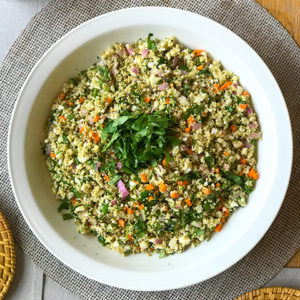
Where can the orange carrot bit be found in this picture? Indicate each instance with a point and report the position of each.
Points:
(81, 100)
(188, 202)
(124, 208)
(135, 204)
(52, 155)
(253, 174)
(226, 212)
(167, 101)
(108, 100)
(164, 162)
(220, 206)
(225, 85)
(187, 129)
(174, 195)
(61, 96)
(200, 68)
(233, 128)
(223, 220)
(141, 206)
(189, 151)
(149, 187)
(129, 211)
(74, 201)
(197, 52)
(102, 125)
(106, 177)
(62, 118)
(218, 184)
(241, 173)
(205, 191)
(147, 99)
(218, 227)
(121, 223)
(129, 237)
(217, 170)
(226, 153)
(150, 198)
(97, 118)
(244, 93)
(243, 106)
(162, 187)
(70, 103)
(81, 129)
(144, 178)
(243, 161)
(182, 183)
(96, 137)
(217, 87)
(190, 120)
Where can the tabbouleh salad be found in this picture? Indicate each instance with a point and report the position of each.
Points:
(152, 148)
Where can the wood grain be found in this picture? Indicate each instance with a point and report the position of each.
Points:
(287, 12)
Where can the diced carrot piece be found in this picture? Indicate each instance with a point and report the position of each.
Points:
(164, 162)
(144, 178)
(226, 212)
(205, 191)
(243, 106)
(217, 170)
(167, 101)
(121, 223)
(74, 201)
(147, 99)
(188, 201)
(129, 211)
(162, 187)
(225, 85)
(182, 183)
(70, 103)
(81, 100)
(218, 227)
(141, 206)
(129, 237)
(243, 161)
(197, 52)
(233, 128)
(218, 184)
(217, 87)
(174, 195)
(253, 174)
(108, 100)
(244, 93)
(226, 153)
(149, 187)
(190, 120)
(187, 129)
(106, 177)
(97, 118)
(61, 118)
(200, 68)
(52, 155)
(150, 198)
(241, 173)
(61, 96)
(81, 129)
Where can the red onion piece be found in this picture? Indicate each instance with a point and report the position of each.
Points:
(175, 61)
(144, 53)
(90, 120)
(254, 135)
(235, 85)
(135, 70)
(119, 165)
(252, 125)
(202, 168)
(122, 189)
(48, 149)
(249, 110)
(158, 241)
(214, 131)
(83, 112)
(163, 86)
(248, 145)
(226, 167)
(160, 73)
(196, 126)
(113, 202)
(97, 166)
(184, 148)
(130, 51)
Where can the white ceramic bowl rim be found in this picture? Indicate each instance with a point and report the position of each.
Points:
(229, 255)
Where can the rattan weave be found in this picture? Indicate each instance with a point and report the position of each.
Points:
(7, 256)
(272, 293)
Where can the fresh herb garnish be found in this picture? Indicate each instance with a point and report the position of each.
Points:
(195, 109)
(63, 205)
(104, 72)
(67, 216)
(138, 139)
(151, 44)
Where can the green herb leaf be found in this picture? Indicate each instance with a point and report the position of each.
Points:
(151, 44)
(63, 205)
(67, 216)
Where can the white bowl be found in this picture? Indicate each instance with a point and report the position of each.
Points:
(30, 179)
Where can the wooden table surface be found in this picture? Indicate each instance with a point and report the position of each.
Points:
(287, 12)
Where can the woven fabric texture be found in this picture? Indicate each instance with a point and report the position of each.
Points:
(276, 47)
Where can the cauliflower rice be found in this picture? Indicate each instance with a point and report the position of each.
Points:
(152, 148)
